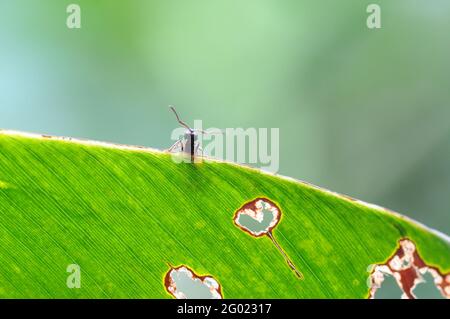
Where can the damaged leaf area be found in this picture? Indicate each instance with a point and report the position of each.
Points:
(183, 283)
(258, 218)
(409, 271)
(137, 207)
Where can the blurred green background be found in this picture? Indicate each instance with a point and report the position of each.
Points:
(361, 112)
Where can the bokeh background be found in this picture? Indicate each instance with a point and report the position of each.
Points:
(361, 112)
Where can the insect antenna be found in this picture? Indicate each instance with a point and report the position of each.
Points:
(178, 118)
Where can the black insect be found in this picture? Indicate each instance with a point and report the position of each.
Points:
(189, 143)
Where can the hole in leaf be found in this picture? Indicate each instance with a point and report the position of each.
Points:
(183, 283)
(412, 275)
(258, 218)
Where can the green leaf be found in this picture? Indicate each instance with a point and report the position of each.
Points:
(125, 214)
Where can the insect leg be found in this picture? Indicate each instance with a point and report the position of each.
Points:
(175, 145)
(200, 149)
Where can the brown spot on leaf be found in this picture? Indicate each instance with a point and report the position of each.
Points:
(408, 268)
(253, 214)
(254, 209)
(183, 283)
